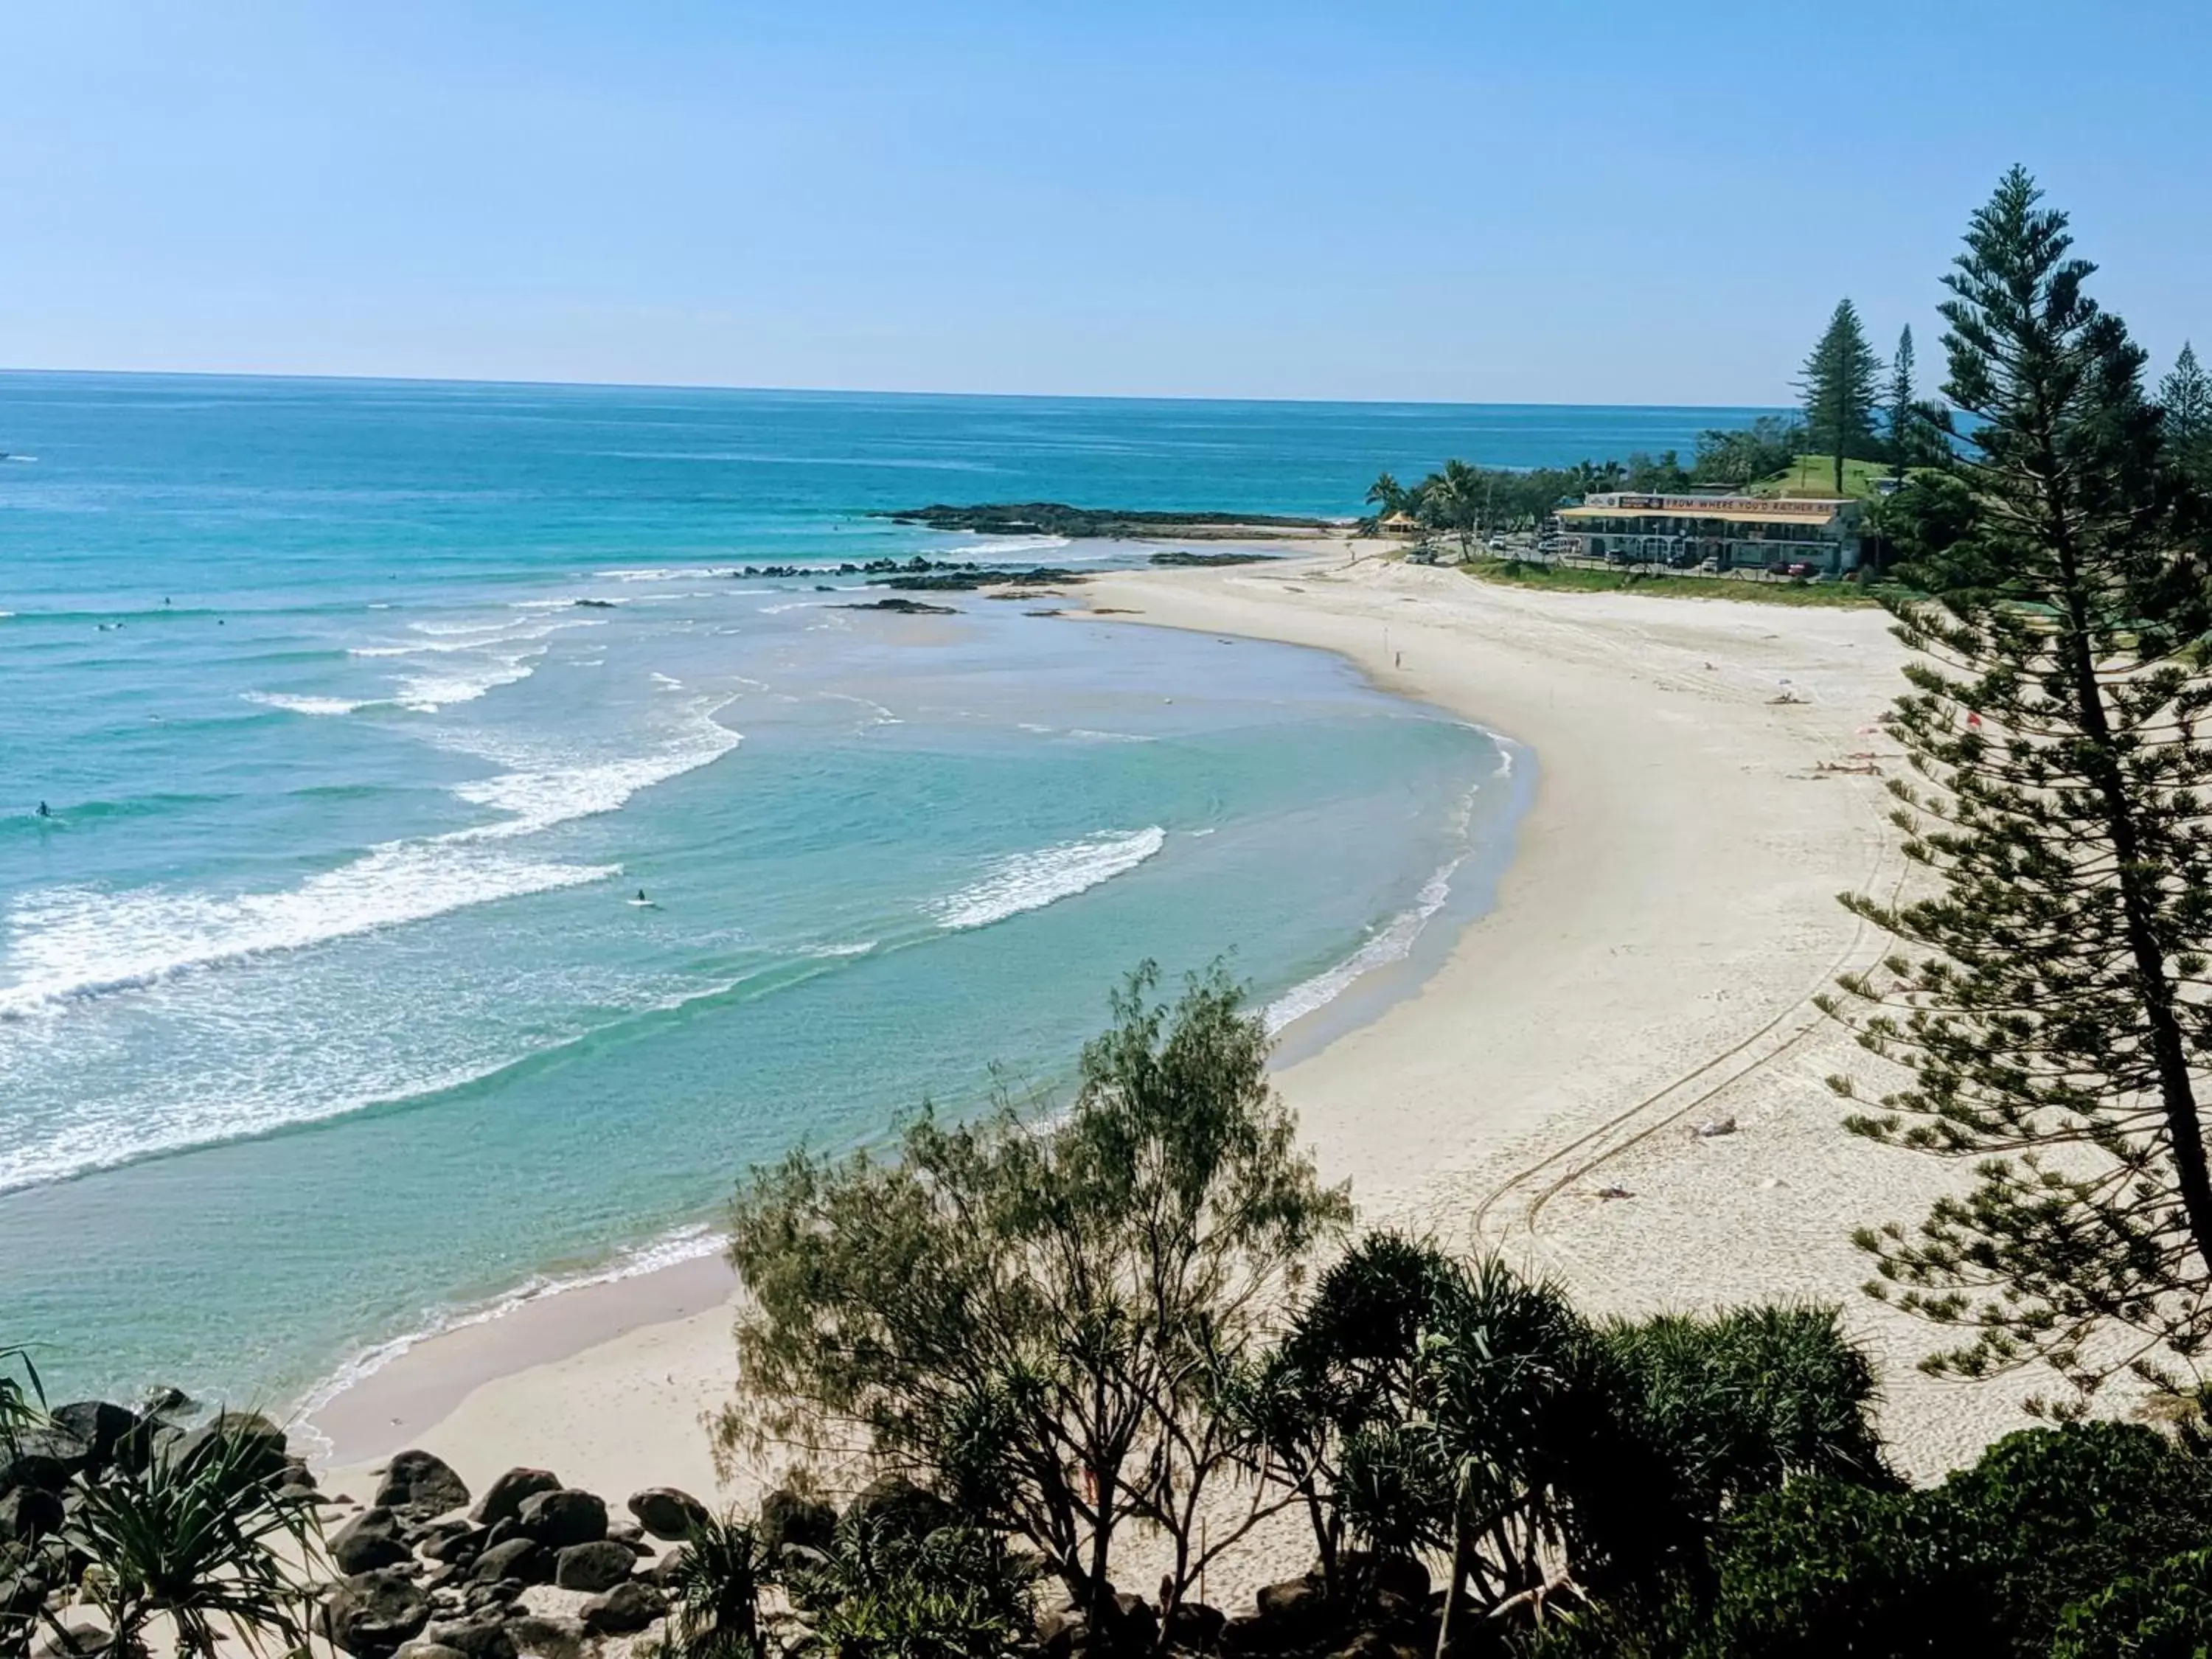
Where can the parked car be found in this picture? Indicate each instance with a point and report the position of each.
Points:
(1800, 569)
(1711, 565)
(1498, 543)
(1682, 561)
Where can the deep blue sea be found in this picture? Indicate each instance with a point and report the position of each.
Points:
(364, 711)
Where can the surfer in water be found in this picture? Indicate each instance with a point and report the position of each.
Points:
(45, 812)
(642, 902)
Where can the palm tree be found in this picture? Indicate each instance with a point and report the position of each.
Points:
(201, 1536)
(1387, 497)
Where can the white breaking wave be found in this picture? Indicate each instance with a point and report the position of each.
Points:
(1392, 942)
(69, 943)
(685, 1244)
(426, 694)
(992, 548)
(304, 705)
(537, 795)
(1030, 881)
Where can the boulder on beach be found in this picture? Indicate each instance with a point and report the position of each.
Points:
(371, 1539)
(667, 1513)
(115, 1433)
(522, 1559)
(547, 1637)
(44, 1458)
(371, 1614)
(29, 1513)
(594, 1567)
(481, 1636)
(506, 1496)
(423, 1482)
(622, 1611)
(786, 1517)
(254, 1445)
(896, 1505)
(565, 1516)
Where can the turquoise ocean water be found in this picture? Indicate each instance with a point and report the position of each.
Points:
(326, 1010)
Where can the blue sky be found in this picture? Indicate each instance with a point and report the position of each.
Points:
(1551, 200)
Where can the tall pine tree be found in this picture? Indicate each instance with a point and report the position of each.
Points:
(1837, 382)
(2185, 397)
(2050, 991)
(1904, 408)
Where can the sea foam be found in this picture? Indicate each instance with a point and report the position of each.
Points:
(1030, 881)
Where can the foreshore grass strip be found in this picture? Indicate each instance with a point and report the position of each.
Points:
(1573, 579)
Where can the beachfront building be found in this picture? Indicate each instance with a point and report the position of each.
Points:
(1737, 533)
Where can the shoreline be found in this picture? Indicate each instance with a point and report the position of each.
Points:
(380, 1394)
(1666, 911)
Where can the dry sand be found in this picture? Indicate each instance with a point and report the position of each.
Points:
(1668, 913)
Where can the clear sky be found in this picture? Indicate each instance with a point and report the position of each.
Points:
(1543, 201)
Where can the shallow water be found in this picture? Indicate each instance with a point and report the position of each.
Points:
(328, 1002)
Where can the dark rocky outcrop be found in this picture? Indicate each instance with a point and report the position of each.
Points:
(371, 1539)
(480, 1636)
(505, 1496)
(423, 1482)
(593, 1567)
(459, 1548)
(548, 1636)
(115, 1433)
(895, 1503)
(44, 1458)
(787, 1518)
(666, 1512)
(1174, 558)
(565, 1516)
(522, 1559)
(622, 1611)
(904, 608)
(1059, 518)
(257, 1443)
(372, 1613)
(29, 1513)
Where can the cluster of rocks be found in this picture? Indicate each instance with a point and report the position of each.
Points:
(426, 1577)
(46, 1472)
(1383, 1609)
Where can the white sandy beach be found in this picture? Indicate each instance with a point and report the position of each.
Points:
(1668, 913)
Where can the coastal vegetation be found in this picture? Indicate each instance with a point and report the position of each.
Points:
(1582, 578)
(2047, 994)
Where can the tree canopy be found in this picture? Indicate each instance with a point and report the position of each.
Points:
(2045, 989)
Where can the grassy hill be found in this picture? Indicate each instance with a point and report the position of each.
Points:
(1816, 475)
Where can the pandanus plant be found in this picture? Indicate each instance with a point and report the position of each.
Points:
(203, 1537)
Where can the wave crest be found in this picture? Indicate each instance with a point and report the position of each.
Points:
(1030, 881)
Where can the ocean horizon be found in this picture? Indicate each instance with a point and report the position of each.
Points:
(455, 871)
